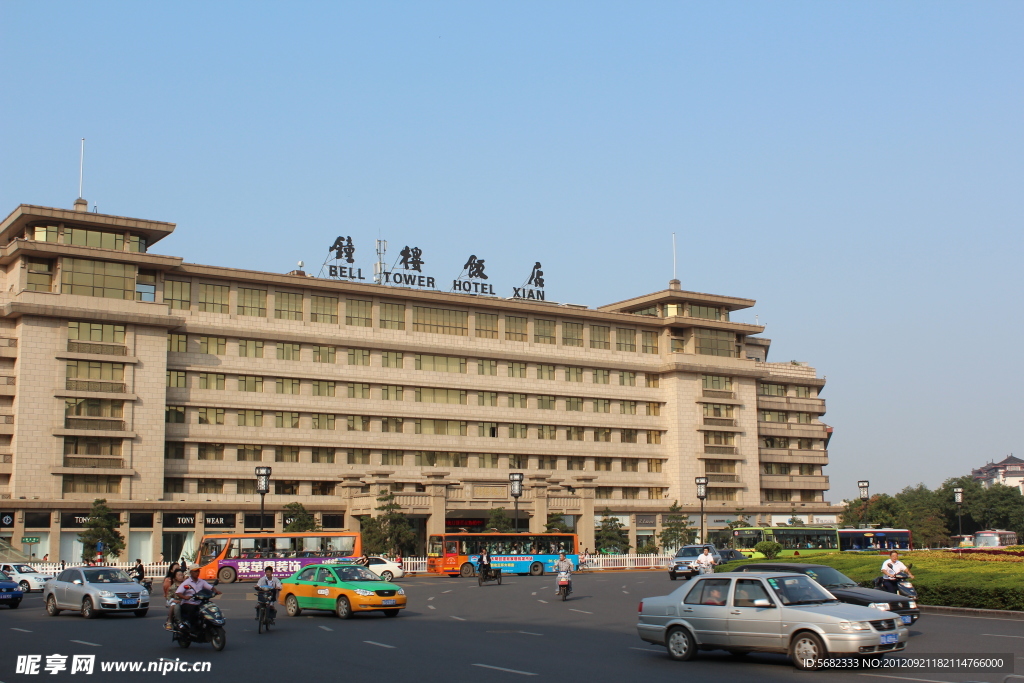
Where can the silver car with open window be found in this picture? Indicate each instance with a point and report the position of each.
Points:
(94, 591)
(769, 612)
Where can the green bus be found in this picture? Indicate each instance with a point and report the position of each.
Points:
(795, 540)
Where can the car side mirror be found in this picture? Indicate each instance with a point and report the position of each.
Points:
(762, 602)
(77, 582)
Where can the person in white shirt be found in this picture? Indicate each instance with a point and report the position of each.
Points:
(706, 562)
(186, 595)
(892, 567)
(269, 582)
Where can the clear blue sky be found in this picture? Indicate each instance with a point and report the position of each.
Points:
(855, 167)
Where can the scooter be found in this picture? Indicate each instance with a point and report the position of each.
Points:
(564, 585)
(903, 585)
(209, 627)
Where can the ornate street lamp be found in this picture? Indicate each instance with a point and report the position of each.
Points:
(262, 488)
(863, 486)
(516, 485)
(702, 494)
(958, 498)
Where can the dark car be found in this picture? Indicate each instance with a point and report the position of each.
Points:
(10, 592)
(728, 555)
(844, 588)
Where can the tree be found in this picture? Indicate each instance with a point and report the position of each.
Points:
(770, 549)
(101, 528)
(302, 519)
(611, 536)
(499, 520)
(556, 524)
(676, 529)
(648, 548)
(389, 532)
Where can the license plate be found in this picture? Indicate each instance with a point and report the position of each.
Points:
(6, 596)
(907, 619)
(388, 602)
(129, 602)
(889, 638)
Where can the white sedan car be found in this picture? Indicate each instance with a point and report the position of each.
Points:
(27, 577)
(386, 569)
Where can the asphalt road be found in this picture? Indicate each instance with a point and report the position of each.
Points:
(454, 630)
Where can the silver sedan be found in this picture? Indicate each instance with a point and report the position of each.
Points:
(767, 612)
(93, 591)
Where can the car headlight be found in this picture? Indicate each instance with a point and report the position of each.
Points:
(360, 591)
(107, 594)
(401, 591)
(144, 593)
(884, 606)
(855, 625)
(913, 605)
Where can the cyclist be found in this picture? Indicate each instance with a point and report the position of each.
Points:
(269, 582)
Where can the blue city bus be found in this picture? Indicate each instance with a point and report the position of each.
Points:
(535, 554)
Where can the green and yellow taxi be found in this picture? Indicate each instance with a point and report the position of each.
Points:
(344, 589)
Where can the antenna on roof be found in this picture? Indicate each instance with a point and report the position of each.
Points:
(81, 167)
(674, 257)
(379, 268)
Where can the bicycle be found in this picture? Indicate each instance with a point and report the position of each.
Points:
(263, 598)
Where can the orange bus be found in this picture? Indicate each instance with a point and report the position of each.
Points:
(459, 554)
(229, 557)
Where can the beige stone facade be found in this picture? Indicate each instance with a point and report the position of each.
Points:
(159, 385)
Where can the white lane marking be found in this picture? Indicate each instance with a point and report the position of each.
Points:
(543, 588)
(501, 668)
(959, 616)
(902, 678)
(23, 630)
(579, 610)
(999, 635)
(544, 601)
(431, 607)
(533, 593)
(458, 618)
(370, 642)
(528, 633)
(326, 628)
(430, 598)
(83, 642)
(448, 591)
(626, 592)
(646, 649)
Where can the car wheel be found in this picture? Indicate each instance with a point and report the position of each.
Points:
(680, 644)
(536, 569)
(806, 651)
(16, 604)
(227, 575)
(387, 576)
(51, 606)
(218, 638)
(343, 609)
(499, 577)
(25, 586)
(480, 579)
(466, 570)
(141, 612)
(291, 605)
(672, 576)
(88, 610)
(391, 612)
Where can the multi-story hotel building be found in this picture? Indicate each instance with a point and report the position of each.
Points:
(159, 385)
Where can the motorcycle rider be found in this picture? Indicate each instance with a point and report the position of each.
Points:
(186, 595)
(563, 565)
(138, 572)
(706, 562)
(485, 563)
(890, 568)
(269, 582)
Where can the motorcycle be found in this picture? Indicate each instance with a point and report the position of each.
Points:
(903, 585)
(564, 585)
(209, 626)
(264, 602)
(488, 574)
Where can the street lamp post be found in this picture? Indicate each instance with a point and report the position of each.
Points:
(958, 498)
(863, 486)
(516, 481)
(702, 494)
(262, 488)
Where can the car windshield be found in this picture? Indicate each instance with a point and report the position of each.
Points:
(830, 578)
(356, 574)
(688, 552)
(24, 569)
(4, 577)
(106, 575)
(799, 590)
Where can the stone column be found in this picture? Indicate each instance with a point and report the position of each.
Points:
(539, 484)
(350, 485)
(437, 489)
(585, 527)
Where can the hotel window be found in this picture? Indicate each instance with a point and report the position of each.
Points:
(627, 379)
(392, 392)
(601, 434)
(705, 312)
(627, 407)
(657, 493)
(287, 305)
(805, 470)
(574, 404)
(250, 418)
(720, 467)
(603, 492)
(358, 423)
(323, 309)
(323, 388)
(719, 439)
(391, 424)
(600, 337)
(774, 442)
(323, 488)
(572, 334)
(83, 237)
(487, 430)
(358, 456)
(487, 367)
(517, 401)
(653, 409)
(549, 432)
(803, 418)
(145, 285)
(718, 494)
(803, 392)
(286, 454)
(808, 496)
(391, 359)
(215, 346)
(287, 385)
(630, 492)
(515, 328)
(717, 410)
(214, 298)
(652, 381)
(249, 453)
(805, 444)
(286, 488)
(440, 459)
(653, 437)
(488, 460)
(574, 374)
(773, 416)
(177, 343)
(517, 370)
(440, 321)
(324, 354)
(654, 466)
(545, 371)
(358, 390)
(392, 316)
(715, 343)
(94, 407)
(322, 455)
(602, 405)
(393, 458)
(517, 431)
(716, 382)
(42, 233)
(648, 341)
(326, 421)
(245, 486)
(358, 356)
(177, 485)
(286, 420)
(211, 451)
(289, 351)
(546, 402)
(250, 348)
(518, 462)
(358, 313)
(777, 468)
(252, 302)
(176, 379)
(574, 433)
(211, 416)
(543, 331)
(40, 275)
(601, 376)
(547, 462)
(174, 414)
(85, 369)
(487, 398)
(429, 395)
(178, 295)
(775, 495)
(97, 332)
(602, 464)
(628, 436)
(625, 339)
(441, 427)
(577, 464)
(97, 278)
(440, 363)
(173, 450)
(486, 325)
(250, 383)
(92, 483)
(771, 389)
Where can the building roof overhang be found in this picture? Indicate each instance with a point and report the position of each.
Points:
(15, 223)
